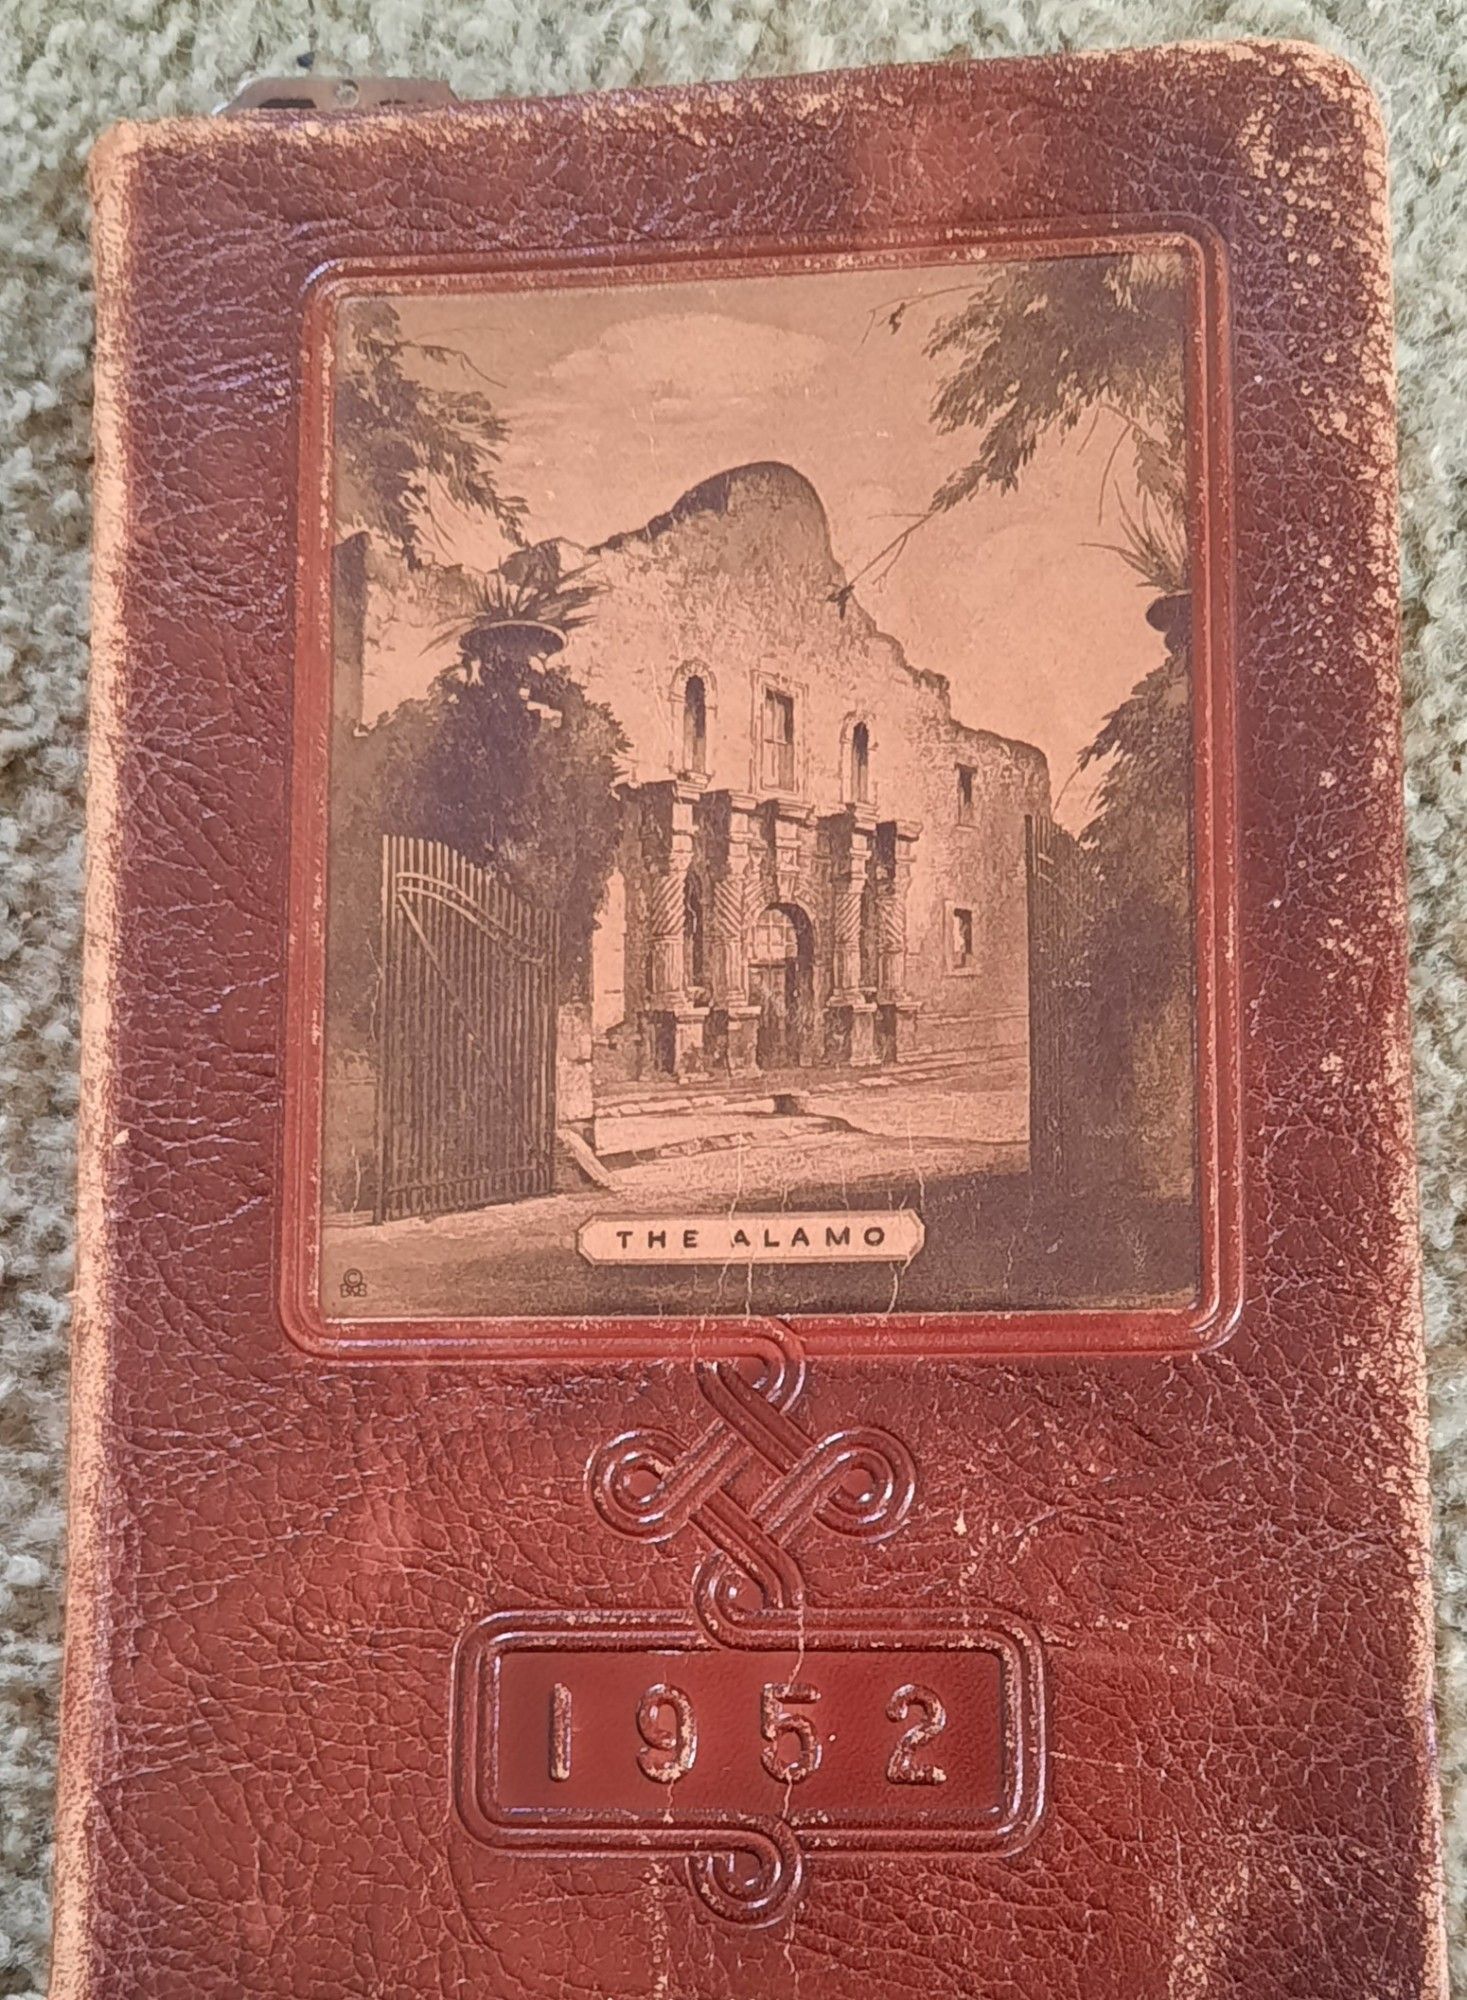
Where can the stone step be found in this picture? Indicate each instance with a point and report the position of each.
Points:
(758, 1091)
(772, 1132)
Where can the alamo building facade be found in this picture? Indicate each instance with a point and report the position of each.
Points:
(819, 865)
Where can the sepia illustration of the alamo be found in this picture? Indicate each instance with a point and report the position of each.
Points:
(820, 865)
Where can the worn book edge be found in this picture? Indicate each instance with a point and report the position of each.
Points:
(84, 1697)
(84, 1653)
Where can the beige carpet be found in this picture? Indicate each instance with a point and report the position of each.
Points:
(67, 68)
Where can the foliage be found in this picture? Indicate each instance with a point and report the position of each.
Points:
(522, 772)
(1154, 545)
(516, 768)
(1139, 837)
(1034, 349)
(1139, 841)
(398, 437)
(1040, 346)
(505, 759)
(529, 603)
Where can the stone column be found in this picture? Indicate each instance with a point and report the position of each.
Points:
(729, 922)
(899, 1010)
(665, 902)
(793, 828)
(851, 1017)
(677, 1025)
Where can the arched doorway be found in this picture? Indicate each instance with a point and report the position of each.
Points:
(781, 985)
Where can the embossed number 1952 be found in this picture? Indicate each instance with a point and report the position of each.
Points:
(832, 1736)
(792, 1749)
(565, 1733)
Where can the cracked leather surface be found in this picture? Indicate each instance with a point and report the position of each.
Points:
(275, 1555)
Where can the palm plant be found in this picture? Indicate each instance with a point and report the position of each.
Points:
(521, 611)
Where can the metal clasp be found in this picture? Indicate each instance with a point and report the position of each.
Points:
(332, 94)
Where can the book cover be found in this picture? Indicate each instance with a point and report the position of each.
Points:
(749, 1306)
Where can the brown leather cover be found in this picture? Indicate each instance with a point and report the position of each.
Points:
(1197, 1565)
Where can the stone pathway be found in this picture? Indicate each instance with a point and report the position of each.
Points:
(958, 1099)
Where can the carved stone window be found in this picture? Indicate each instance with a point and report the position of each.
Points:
(860, 774)
(775, 938)
(778, 742)
(695, 724)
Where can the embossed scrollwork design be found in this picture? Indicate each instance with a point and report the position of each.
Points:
(857, 1482)
(756, 1878)
(655, 1749)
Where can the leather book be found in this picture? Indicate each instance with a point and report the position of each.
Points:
(748, 1316)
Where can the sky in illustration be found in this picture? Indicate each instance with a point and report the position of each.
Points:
(619, 399)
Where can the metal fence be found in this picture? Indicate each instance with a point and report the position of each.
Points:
(466, 1079)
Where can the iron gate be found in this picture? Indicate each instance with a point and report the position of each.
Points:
(1061, 891)
(466, 1081)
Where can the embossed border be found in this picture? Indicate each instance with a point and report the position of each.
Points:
(1006, 1333)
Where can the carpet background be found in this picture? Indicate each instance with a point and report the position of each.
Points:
(67, 69)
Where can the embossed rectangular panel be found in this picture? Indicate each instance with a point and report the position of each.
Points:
(814, 1739)
(777, 658)
(840, 935)
(748, 1738)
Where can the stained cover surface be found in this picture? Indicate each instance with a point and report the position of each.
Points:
(749, 1304)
